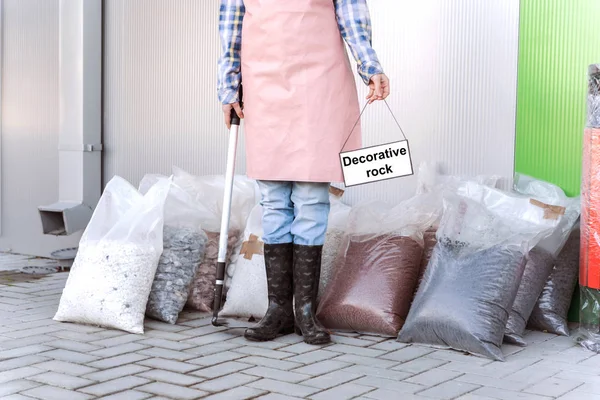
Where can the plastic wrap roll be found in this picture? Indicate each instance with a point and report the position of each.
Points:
(589, 267)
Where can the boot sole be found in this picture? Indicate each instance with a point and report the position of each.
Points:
(258, 338)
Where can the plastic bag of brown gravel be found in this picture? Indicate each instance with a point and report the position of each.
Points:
(202, 289)
(376, 270)
(475, 270)
(112, 274)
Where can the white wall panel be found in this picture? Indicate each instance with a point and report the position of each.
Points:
(29, 124)
(452, 63)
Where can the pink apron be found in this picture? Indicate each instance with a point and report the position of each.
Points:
(300, 97)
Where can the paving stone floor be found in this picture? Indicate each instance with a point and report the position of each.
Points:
(43, 359)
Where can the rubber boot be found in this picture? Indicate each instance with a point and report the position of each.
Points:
(279, 318)
(307, 271)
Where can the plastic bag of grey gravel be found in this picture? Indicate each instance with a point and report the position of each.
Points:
(475, 270)
(112, 274)
(549, 313)
(184, 246)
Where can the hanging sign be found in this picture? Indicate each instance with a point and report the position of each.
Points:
(376, 163)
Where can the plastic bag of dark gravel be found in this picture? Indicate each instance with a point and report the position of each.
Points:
(475, 270)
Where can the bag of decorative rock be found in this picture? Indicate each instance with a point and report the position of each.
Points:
(248, 296)
(208, 192)
(377, 268)
(475, 270)
(184, 244)
(338, 217)
(112, 274)
(542, 258)
(550, 312)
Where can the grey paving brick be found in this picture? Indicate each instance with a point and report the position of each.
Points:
(576, 395)
(433, 377)
(17, 386)
(169, 365)
(553, 387)
(212, 338)
(175, 336)
(127, 395)
(300, 348)
(449, 390)
(290, 389)
(277, 396)
(118, 350)
(378, 372)
(203, 330)
(320, 368)
(217, 358)
(15, 396)
(18, 373)
(331, 379)
(499, 383)
(342, 392)
(226, 382)
(150, 324)
(271, 344)
(238, 393)
(369, 361)
(117, 372)
(502, 394)
(531, 374)
(32, 332)
(389, 345)
(471, 396)
(289, 339)
(270, 362)
(167, 354)
(54, 393)
(117, 361)
(385, 394)
(61, 380)
(77, 336)
(165, 344)
(117, 340)
(214, 348)
(115, 386)
(172, 391)
(358, 342)
(23, 351)
(313, 357)
(73, 346)
(170, 377)
(21, 362)
(406, 354)
(70, 356)
(27, 341)
(419, 365)
(271, 373)
(222, 369)
(258, 351)
(358, 351)
(389, 384)
(64, 367)
(449, 355)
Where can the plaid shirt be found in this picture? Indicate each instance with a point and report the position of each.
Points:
(354, 23)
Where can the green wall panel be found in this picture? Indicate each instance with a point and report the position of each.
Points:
(558, 40)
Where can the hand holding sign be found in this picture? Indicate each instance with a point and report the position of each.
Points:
(376, 163)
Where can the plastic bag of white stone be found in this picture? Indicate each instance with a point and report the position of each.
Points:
(112, 274)
(248, 295)
(475, 270)
(184, 245)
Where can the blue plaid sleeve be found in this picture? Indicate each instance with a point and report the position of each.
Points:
(229, 76)
(354, 22)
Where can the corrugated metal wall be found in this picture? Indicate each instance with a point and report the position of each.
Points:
(559, 40)
(453, 67)
(29, 128)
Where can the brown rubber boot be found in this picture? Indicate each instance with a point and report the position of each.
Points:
(279, 318)
(307, 271)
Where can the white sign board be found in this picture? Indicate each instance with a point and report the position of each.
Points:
(376, 163)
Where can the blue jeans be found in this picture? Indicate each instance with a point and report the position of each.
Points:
(294, 212)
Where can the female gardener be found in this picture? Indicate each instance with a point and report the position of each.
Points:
(300, 105)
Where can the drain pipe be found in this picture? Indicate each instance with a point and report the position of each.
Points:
(80, 147)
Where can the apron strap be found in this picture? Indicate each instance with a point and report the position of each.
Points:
(360, 116)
